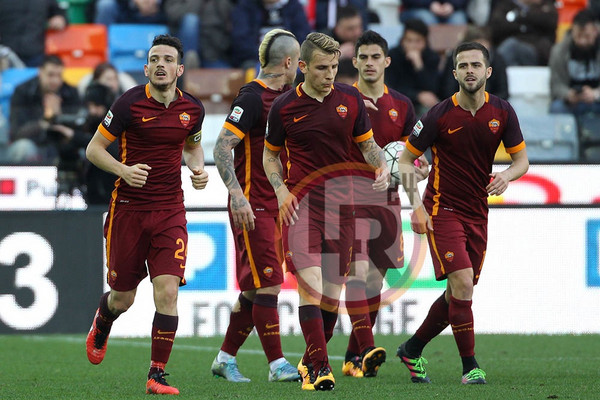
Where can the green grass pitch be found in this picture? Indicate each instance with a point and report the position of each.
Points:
(518, 367)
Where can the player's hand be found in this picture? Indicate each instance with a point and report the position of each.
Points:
(288, 204)
(420, 221)
(136, 175)
(498, 184)
(199, 178)
(241, 211)
(422, 168)
(382, 179)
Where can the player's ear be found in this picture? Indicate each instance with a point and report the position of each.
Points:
(303, 66)
(388, 61)
(180, 69)
(146, 70)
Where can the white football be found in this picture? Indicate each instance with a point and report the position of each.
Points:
(392, 151)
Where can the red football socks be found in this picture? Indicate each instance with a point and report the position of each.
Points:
(266, 321)
(240, 326)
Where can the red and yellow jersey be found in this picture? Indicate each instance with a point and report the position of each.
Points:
(317, 135)
(149, 133)
(463, 148)
(248, 121)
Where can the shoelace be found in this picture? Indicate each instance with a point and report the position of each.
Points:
(99, 339)
(233, 370)
(159, 377)
(286, 368)
(476, 374)
(419, 367)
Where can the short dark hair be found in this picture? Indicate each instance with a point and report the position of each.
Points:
(371, 37)
(417, 25)
(100, 94)
(171, 41)
(101, 68)
(584, 17)
(52, 59)
(346, 12)
(466, 46)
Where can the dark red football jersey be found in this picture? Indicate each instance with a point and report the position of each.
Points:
(248, 121)
(151, 134)
(393, 121)
(317, 135)
(463, 147)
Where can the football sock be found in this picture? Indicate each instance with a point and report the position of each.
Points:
(105, 316)
(163, 334)
(266, 321)
(358, 309)
(329, 319)
(461, 320)
(240, 326)
(353, 347)
(156, 367)
(435, 322)
(311, 323)
(469, 363)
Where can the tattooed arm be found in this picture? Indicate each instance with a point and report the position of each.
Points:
(375, 157)
(288, 204)
(241, 211)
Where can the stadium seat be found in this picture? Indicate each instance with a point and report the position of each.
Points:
(216, 87)
(81, 45)
(391, 33)
(11, 78)
(529, 89)
(72, 75)
(550, 137)
(76, 10)
(591, 153)
(129, 43)
(443, 37)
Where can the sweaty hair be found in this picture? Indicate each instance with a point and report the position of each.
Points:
(466, 46)
(171, 41)
(51, 59)
(318, 41)
(276, 45)
(371, 37)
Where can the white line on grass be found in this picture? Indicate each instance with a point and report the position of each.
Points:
(133, 343)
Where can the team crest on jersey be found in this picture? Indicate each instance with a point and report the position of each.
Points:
(268, 271)
(494, 125)
(184, 118)
(417, 128)
(393, 114)
(449, 256)
(108, 118)
(288, 255)
(236, 114)
(342, 110)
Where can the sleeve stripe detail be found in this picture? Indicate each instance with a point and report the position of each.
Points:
(515, 149)
(230, 127)
(365, 136)
(413, 149)
(272, 147)
(106, 133)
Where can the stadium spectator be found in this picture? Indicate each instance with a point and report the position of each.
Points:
(38, 107)
(575, 68)
(326, 13)
(414, 68)
(23, 25)
(348, 28)
(182, 22)
(252, 19)
(435, 12)
(496, 84)
(9, 59)
(524, 31)
(392, 116)
(327, 117)
(253, 211)
(346, 72)
(464, 132)
(146, 223)
(108, 75)
(215, 33)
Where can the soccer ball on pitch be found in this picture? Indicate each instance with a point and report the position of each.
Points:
(392, 151)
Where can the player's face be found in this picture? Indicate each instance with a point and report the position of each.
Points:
(291, 71)
(370, 62)
(163, 68)
(471, 71)
(320, 72)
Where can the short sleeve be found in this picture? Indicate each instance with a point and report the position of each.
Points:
(275, 132)
(512, 138)
(245, 112)
(362, 126)
(423, 134)
(115, 121)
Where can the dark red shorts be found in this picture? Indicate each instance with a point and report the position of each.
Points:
(378, 236)
(455, 245)
(134, 238)
(258, 254)
(311, 243)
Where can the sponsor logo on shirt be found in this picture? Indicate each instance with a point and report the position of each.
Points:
(184, 118)
(451, 131)
(299, 118)
(236, 114)
(494, 125)
(108, 118)
(342, 110)
(144, 119)
(393, 114)
(417, 128)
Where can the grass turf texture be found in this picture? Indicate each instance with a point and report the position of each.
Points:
(517, 367)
